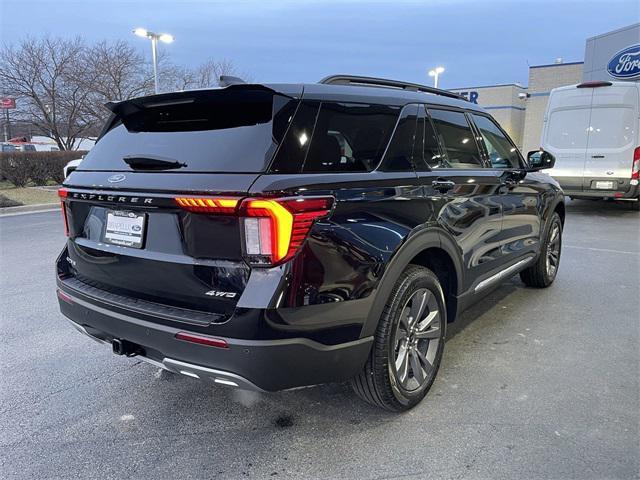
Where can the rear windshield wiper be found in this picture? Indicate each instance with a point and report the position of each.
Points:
(152, 163)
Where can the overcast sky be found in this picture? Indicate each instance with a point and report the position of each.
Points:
(479, 42)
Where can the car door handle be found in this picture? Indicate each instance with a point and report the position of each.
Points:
(443, 185)
(597, 156)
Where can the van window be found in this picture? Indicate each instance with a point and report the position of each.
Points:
(349, 137)
(457, 139)
(501, 151)
(398, 156)
(567, 129)
(611, 127)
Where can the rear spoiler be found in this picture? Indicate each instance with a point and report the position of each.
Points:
(124, 108)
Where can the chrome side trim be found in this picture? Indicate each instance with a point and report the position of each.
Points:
(506, 273)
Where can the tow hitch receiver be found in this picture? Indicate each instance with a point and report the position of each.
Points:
(124, 347)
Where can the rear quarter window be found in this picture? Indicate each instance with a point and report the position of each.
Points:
(336, 137)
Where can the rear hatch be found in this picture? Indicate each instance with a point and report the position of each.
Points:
(132, 241)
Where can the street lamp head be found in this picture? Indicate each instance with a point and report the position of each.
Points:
(439, 70)
(166, 38)
(141, 32)
(432, 73)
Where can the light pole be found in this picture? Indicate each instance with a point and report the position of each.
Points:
(154, 37)
(435, 73)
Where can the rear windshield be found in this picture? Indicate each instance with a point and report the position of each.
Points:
(208, 131)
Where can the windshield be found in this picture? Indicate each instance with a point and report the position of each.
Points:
(207, 131)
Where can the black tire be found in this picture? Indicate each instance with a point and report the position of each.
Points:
(542, 273)
(380, 383)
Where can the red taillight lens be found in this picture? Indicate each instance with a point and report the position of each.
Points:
(202, 339)
(63, 193)
(208, 205)
(274, 229)
(635, 169)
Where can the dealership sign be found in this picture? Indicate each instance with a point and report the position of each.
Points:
(471, 96)
(7, 102)
(626, 63)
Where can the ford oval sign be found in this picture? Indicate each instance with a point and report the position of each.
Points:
(118, 177)
(626, 63)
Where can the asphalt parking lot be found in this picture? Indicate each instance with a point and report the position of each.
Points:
(534, 384)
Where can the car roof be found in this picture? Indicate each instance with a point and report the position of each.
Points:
(322, 92)
(373, 94)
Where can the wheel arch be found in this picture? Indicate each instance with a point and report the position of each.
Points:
(432, 249)
(560, 209)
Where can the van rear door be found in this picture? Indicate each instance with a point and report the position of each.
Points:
(566, 134)
(613, 132)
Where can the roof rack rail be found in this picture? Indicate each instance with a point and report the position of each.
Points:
(383, 82)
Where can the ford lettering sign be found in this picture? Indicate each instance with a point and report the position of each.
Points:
(626, 63)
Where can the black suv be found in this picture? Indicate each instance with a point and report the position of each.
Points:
(275, 236)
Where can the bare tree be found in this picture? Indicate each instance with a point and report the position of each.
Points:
(205, 75)
(42, 75)
(62, 85)
(115, 71)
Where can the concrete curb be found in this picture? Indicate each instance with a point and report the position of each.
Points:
(24, 209)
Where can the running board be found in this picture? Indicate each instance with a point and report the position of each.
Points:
(503, 274)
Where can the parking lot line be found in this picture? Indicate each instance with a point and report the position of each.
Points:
(608, 250)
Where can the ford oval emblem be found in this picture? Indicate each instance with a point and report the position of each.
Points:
(118, 177)
(626, 63)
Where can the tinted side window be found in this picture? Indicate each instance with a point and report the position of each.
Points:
(349, 137)
(501, 152)
(428, 155)
(294, 147)
(457, 139)
(398, 156)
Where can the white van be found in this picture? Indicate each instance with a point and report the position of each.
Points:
(592, 129)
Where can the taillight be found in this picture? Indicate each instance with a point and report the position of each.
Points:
(62, 193)
(274, 229)
(208, 205)
(635, 169)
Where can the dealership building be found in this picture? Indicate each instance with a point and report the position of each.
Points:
(612, 56)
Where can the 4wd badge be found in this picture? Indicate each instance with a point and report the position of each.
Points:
(219, 294)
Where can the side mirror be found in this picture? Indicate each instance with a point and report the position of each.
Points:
(539, 160)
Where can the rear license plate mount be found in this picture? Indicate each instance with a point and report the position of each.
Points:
(124, 228)
(604, 185)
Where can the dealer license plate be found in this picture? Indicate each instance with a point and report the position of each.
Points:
(604, 185)
(125, 228)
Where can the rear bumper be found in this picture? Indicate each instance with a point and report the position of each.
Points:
(631, 193)
(269, 365)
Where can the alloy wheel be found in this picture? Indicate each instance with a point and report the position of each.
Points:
(553, 250)
(416, 340)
